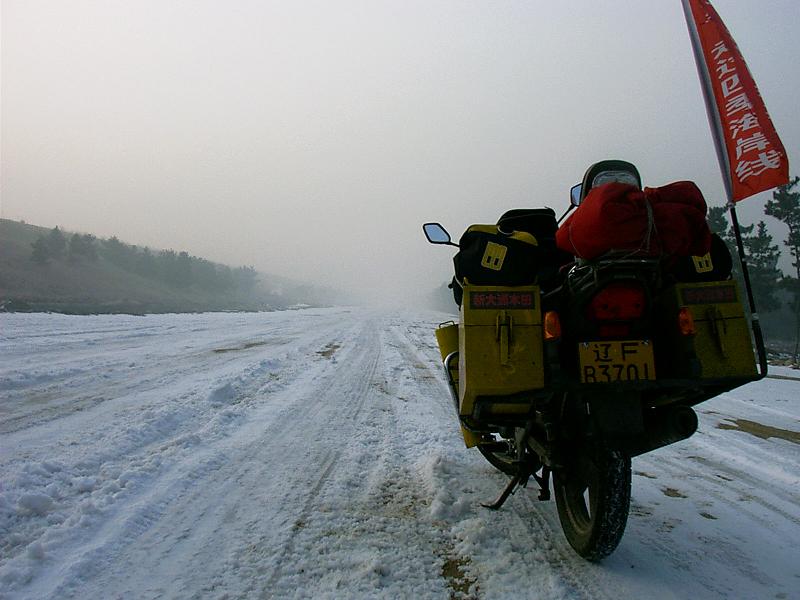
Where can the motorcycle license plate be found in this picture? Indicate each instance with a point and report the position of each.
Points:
(610, 361)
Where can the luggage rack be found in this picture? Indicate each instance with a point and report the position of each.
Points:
(589, 273)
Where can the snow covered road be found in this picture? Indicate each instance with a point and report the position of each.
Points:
(315, 453)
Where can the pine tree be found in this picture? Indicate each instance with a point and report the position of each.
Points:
(56, 243)
(41, 251)
(183, 269)
(82, 246)
(145, 264)
(717, 221)
(122, 255)
(90, 246)
(762, 265)
(74, 247)
(785, 206)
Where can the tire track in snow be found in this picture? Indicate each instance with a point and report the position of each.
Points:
(360, 392)
(382, 509)
(300, 489)
(300, 522)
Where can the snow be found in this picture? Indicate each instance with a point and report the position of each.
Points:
(315, 453)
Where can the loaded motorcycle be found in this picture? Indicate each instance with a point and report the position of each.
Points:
(566, 363)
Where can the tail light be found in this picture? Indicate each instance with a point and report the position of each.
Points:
(617, 302)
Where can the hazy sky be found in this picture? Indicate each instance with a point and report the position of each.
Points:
(312, 139)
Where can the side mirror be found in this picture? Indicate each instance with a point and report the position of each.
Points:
(575, 195)
(437, 234)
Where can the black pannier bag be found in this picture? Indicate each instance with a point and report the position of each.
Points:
(519, 250)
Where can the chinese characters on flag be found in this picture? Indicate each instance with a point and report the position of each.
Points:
(756, 158)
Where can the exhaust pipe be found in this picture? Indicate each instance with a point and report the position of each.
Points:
(664, 426)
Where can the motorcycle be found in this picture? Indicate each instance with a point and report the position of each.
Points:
(563, 369)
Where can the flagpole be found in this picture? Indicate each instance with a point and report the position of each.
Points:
(724, 165)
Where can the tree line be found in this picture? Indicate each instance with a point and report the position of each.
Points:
(176, 269)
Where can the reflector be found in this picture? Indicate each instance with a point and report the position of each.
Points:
(552, 325)
(686, 322)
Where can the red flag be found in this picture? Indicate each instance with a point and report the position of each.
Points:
(750, 152)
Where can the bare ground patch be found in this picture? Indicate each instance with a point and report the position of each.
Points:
(761, 431)
(673, 493)
(329, 350)
(459, 582)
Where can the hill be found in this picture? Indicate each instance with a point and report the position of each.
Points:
(90, 275)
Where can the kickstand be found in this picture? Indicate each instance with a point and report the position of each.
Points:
(522, 479)
(544, 483)
(518, 480)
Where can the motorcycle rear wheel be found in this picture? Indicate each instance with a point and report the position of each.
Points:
(593, 497)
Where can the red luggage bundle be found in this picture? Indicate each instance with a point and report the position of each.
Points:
(668, 220)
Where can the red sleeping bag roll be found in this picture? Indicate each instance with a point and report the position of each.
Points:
(668, 220)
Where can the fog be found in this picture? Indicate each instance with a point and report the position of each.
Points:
(312, 139)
